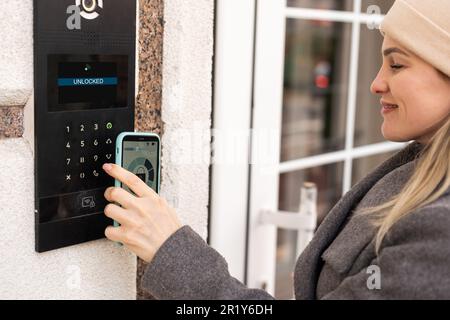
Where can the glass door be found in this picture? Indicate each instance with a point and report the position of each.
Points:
(314, 63)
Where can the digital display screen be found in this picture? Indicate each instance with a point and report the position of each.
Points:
(87, 82)
(78, 82)
(141, 158)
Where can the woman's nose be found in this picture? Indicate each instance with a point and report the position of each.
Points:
(379, 84)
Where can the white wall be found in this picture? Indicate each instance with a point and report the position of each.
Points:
(94, 270)
(101, 269)
(16, 52)
(186, 109)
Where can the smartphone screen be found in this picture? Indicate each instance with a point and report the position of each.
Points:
(140, 155)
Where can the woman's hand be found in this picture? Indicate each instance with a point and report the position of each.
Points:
(146, 220)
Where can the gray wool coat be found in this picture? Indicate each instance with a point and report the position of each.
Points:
(414, 259)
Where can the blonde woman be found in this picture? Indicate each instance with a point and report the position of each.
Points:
(387, 238)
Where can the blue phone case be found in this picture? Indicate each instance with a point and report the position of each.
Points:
(119, 141)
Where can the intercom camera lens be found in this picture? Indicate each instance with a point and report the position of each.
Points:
(89, 5)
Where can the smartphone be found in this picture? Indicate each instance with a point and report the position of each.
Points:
(139, 153)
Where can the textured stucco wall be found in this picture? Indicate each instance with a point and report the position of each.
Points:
(16, 52)
(94, 270)
(16, 61)
(100, 269)
(186, 108)
(185, 55)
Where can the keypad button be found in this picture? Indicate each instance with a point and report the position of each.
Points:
(88, 145)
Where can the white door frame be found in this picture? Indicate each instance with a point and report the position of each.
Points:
(233, 83)
(267, 117)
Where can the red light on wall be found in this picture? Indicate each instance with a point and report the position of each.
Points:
(322, 82)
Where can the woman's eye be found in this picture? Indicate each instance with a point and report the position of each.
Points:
(396, 66)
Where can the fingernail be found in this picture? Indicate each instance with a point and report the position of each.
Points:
(107, 166)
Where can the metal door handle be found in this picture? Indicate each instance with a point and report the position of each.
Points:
(304, 221)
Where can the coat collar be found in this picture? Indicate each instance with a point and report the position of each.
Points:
(307, 268)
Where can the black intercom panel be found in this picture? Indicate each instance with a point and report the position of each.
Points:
(84, 71)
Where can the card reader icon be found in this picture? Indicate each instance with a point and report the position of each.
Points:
(88, 202)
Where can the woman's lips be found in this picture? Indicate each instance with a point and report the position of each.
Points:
(388, 107)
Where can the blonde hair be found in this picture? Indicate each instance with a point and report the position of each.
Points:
(431, 178)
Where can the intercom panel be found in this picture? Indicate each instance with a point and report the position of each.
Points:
(84, 71)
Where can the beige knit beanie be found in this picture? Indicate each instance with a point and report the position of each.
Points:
(423, 27)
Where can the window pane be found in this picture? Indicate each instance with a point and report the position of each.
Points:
(368, 117)
(329, 184)
(315, 87)
(322, 4)
(364, 166)
(384, 5)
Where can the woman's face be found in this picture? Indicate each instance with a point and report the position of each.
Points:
(416, 96)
